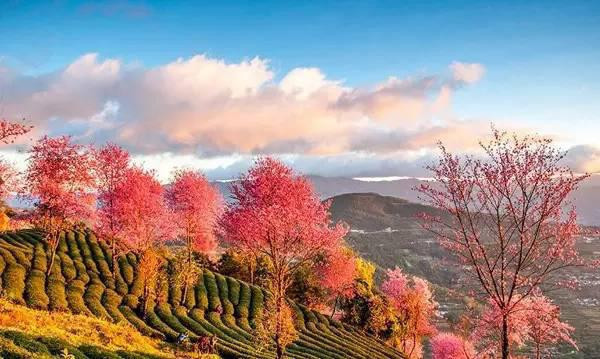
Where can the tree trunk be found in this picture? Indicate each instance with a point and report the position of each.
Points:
(279, 351)
(334, 306)
(505, 350)
(53, 247)
(113, 255)
(186, 281)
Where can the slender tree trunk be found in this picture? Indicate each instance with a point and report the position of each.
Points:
(251, 270)
(334, 306)
(113, 255)
(186, 283)
(505, 349)
(53, 247)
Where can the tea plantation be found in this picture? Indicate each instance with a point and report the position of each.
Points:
(81, 282)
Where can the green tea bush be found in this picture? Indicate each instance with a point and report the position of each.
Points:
(201, 294)
(111, 301)
(193, 325)
(256, 304)
(25, 341)
(92, 296)
(131, 301)
(234, 290)
(75, 291)
(57, 346)
(190, 298)
(154, 321)
(139, 324)
(95, 352)
(2, 266)
(224, 294)
(55, 288)
(164, 313)
(39, 258)
(13, 279)
(126, 269)
(35, 290)
(68, 269)
(212, 291)
(242, 310)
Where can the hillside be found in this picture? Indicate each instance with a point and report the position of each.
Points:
(385, 230)
(81, 282)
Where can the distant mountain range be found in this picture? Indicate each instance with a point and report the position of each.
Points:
(586, 199)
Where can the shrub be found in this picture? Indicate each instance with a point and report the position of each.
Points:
(68, 269)
(190, 298)
(75, 290)
(234, 290)
(212, 291)
(154, 321)
(243, 307)
(25, 341)
(224, 294)
(126, 269)
(201, 295)
(2, 266)
(95, 352)
(56, 346)
(256, 304)
(92, 297)
(39, 258)
(164, 313)
(14, 282)
(139, 324)
(131, 301)
(111, 302)
(57, 297)
(35, 290)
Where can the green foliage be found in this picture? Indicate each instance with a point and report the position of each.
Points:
(26, 342)
(126, 270)
(35, 290)
(93, 295)
(57, 346)
(13, 279)
(95, 352)
(75, 291)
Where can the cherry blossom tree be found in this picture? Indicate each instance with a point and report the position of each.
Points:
(111, 163)
(450, 346)
(415, 308)
(505, 218)
(534, 320)
(141, 212)
(196, 206)
(337, 274)
(9, 131)
(60, 184)
(277, 214)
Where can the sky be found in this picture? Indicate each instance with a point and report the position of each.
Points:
(335, 88)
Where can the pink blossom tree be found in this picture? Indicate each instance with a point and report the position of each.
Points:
(415, 308)
(196, 206)
(337, 275)
(9, 131)
(505, 218)
(277, 214)
(111, 164)
(60, 183)
(535, 320)
(140, 211)
(450, 346)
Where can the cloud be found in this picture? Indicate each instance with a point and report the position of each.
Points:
(584, 158)
(467, 73)
(207, 107)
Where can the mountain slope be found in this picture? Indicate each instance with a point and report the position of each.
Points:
(385, 230)
(81, 282)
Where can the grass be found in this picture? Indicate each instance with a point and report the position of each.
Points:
(95, 313)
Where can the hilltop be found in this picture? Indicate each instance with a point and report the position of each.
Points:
(82, 283)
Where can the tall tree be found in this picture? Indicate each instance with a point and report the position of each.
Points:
(506, 220)
(140, 210)
(196, 206)
(337, 274)
(414, 307)
(145, 222)
(111, 163)
(277, 214)
(60, 183)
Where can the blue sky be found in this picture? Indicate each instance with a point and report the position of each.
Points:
(541, 58)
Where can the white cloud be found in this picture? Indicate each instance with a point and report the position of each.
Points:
(467, 73)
